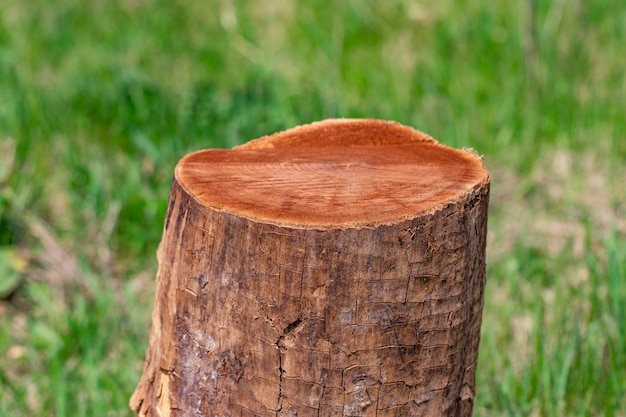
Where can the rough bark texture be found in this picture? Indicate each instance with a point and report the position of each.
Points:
(320, 314)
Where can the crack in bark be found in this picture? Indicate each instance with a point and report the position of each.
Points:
(290, 328)
(280, 344)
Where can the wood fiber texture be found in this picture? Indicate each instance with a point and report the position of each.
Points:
(255, 317)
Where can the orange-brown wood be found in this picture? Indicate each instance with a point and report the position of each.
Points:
(335, 269)
(337, 173)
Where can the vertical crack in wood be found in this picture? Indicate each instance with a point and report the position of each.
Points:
(282, 349)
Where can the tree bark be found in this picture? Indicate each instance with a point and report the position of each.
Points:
(335, 269)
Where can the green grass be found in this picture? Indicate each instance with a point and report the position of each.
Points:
(98, 100)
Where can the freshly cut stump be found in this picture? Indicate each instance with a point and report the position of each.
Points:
(334, 269)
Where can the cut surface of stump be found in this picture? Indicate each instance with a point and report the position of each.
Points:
(334, 269)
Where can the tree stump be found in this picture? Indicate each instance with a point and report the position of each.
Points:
(334, 269)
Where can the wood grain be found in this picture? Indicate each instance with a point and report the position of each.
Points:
(335, 173)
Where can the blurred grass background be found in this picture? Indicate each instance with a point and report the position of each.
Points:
(98, 101)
